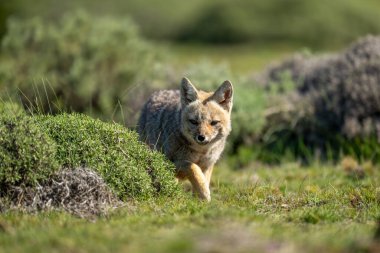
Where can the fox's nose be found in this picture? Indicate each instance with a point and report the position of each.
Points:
(201, 138)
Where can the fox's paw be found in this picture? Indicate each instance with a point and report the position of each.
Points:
(205, 195)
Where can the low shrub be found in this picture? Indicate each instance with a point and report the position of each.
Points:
(312, 23)
(27, 154)
(335, 108)
(129, 167)
(218, 23)
(79, 63)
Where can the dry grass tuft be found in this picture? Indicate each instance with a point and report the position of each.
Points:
(79, 191)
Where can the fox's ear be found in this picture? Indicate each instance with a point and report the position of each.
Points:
(188, 92)
(223, 95)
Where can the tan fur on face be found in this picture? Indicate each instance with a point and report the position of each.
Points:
(204, 112)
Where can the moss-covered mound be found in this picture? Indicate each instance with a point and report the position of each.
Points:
(118, 166)
(27, 154)
(127, 166)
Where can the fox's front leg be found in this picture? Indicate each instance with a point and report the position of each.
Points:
(198, 180)
(208, 173)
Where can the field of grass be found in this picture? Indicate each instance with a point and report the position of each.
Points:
(323, 207)
(279, 209)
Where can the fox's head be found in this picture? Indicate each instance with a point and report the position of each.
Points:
(205, 115)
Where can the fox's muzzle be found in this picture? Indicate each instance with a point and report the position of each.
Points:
(201, 139)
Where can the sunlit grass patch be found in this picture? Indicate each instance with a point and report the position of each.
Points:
(286, 207)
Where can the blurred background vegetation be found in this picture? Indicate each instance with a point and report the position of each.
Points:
(312, 23)
(104, 58)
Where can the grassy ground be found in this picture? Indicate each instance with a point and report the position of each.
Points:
(277, 209)
(280, 209)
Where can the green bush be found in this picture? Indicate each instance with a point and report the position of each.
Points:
(5, 11)
(310, 23)
(217, 23)
(27, 154)
(127, 165)
(335, 108)
(79, 63)
(315, 23)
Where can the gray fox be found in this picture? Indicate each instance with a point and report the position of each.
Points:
(190, 127)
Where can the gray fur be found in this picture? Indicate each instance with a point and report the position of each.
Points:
(190, 127)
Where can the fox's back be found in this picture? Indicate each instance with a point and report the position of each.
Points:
(160, 118)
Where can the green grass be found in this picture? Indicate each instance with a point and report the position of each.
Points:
(288, 208)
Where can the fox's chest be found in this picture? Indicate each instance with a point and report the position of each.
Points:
(207, 158)
(206, 161)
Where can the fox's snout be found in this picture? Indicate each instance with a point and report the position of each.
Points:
(203, 134)
(201, 138)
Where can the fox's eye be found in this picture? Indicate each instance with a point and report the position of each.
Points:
(193, 121)
(214, 122)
